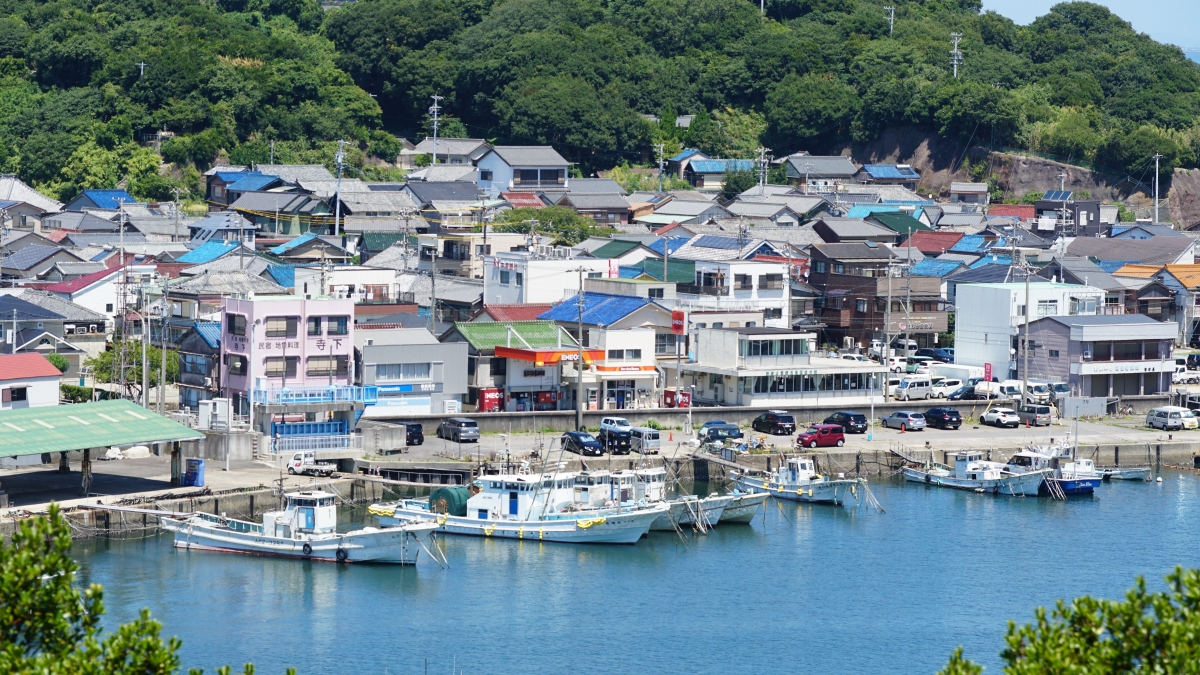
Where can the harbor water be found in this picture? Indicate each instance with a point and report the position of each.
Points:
(805, 588)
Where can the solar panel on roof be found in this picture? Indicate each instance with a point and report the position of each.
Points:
(1057, 195)
(714, 241)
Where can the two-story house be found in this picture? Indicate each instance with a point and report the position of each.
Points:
(511, 168)
(1099, 355)
(199, 364)
(541, 276)
(453, 150)
(412, 372)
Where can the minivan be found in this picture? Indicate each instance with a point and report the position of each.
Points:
(1170, 418)
(645, 440)
(459, 429)
(914, 388)
(1037, 415)
(915, 362)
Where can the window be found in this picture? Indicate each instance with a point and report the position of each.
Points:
(328, 365)
(1047, 308)
(314, 325)
(616, 354)
(237, 364)
(278, 367)
(664, 343)
(525, 176)
(820, 267)
(654, 293)
(776, 313)
(108, 308)
(838, 268)
(337, 325)
(551, 175)
(520, 279)
(485, 174)
(771, 282)
(194, 364)
(176, 309)
(594, 275)
(283, 326)
(400, 371)
(19, 394)
(860, 306)
(743, 282)
(1054, 353)
(633, 354)
(718, 324)
(701, 325)
(498, 366)
(504, 277)
(236, 324)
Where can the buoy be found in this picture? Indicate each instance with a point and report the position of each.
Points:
(1160, 479)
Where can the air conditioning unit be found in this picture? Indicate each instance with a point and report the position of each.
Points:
(544, 250)
(562, 251)
(208, 382)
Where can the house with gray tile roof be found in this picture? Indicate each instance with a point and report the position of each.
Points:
(508, 168)
(32, 261)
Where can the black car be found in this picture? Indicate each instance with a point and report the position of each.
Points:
(935, 353)
(963, 393)
(414, 434)
(616, 442)
(852, 422)
(582, 443)
(1193, 362)
(943, 418)
(775, 422)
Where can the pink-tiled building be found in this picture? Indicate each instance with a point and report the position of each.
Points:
(282, 342)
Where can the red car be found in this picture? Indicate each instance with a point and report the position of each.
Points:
(822, 436)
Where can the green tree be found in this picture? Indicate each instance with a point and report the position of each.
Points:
(567, 226)
(50, 627)
(1144, 633)
(58, 361)
(737, 182)
(107, 366)
(812, 111)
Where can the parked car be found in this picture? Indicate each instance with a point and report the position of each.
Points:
(1193, 361)
(775, 422)
(943, 418)
(914, 387)
(937, 354)
(1001, 417)
(414, 434)
(1170, 418)
(963, 393)
(582, 443)
(616, 442)
(724, 431)
(458, 429)
(905, 420)
(1037, 415)
(850, 422)
(853, 357)
(644, 440)
(915, 362)
(821, 436)
(1059, 391)
(1185, 376)
(945, 387)
(614, 424)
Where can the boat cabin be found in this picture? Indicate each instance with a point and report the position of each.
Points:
(970, 465)
(304, 513)
(654, 483)
(593, 488)
(519, 496)
(797, 469)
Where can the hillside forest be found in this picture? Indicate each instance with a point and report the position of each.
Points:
(84, 83)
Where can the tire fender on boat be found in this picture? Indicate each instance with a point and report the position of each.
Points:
(341, 555)
(307, 548)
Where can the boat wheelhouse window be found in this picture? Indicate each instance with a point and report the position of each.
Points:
(1022, 461)
(494, 485)
(510, 486)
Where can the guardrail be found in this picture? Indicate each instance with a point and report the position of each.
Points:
(302, 443)
(333, 394)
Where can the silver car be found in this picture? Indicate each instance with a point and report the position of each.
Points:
(905, 420)
(458, 429)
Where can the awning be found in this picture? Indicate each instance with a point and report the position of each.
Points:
(102, 424)
(542, 357)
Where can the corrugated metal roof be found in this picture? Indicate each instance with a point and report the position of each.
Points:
(487, 335)
(22, 366)
(207, 252)
(891, 171)
(81, 282)
(721, 165)
(528, 312)
(378, 241)
(678, 271)
(61, 428)
(687, 152)
(934, 243)
(293, 243)
(284, 275)
(900, 222)
(614, 249)
(108, 199)
(968, 188)
(210, 332)
(599, 309)
(970, 243)
(935, 268)
(992, 260)
(253, 181)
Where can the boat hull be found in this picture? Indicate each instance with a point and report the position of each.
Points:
(743, 508)
(397, 546)
(1074, 487)
(608, 528)
(1016, 485)
(1131, 473)
(709, 512)
(671, 519)
(816, 492)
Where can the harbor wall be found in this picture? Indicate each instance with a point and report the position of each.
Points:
(673, 418)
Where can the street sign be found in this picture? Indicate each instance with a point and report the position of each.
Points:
(987, 372)
(903, 326)
(678, 322)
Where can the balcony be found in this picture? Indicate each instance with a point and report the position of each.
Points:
(303, 443)
(693, 289)
(782, 361)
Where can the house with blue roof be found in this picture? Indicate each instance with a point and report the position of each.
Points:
(678, 164)
(217, 179)
(889, 174)
(254, 181)
(932, 267)
(108, 200)
(709, 174)
(632, 332)
(199, 350)
(210, 251)
(309, 248)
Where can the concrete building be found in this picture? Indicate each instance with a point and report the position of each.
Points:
(543, 276)
(991, 316)
(1127, 355)
(412, 372)
(626, 376)
(737, 286)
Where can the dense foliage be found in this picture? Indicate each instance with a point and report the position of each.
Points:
(229, 77)
(48, 626)
(1144, 633)
(106, 367)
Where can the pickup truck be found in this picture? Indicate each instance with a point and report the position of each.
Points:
(306, 464)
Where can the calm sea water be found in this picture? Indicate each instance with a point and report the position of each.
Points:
(803, 589)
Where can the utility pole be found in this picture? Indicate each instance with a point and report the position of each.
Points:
(162, 368)
(763, 166)
(433, 289)
(886, 349)
(956, 56)
(661, 166)
(434, 110)
(1157, 157)
(145, 362)
(891, 19)
(142, 66)
(272, 161)
(1025, 367)
(338, 159)
(808, 168)
(579, 363)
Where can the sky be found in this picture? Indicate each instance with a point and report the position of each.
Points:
(1170, 21)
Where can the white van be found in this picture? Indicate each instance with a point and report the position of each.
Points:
(1171, 417)
(644, 440)
(1010, 389)
(945, 387)
(914, 388)
(893, 385)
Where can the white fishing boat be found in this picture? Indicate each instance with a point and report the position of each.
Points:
(703, 512)
(1071, 475)
(972, 472)
(546, 507)
(1141, 473)
(305, 529)
(798, 480)
(743, 507)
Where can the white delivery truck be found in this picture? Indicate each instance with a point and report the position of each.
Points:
(306, 464)
(955, 371)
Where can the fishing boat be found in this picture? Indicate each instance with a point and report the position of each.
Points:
(798, 480)
(972, 472)
(1070, 475)
(556, 508)
(743, 507)
(703, 512)
(1127, 473)
(305, 529)
(689, 510)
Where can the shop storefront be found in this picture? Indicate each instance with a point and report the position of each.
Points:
(533, 382)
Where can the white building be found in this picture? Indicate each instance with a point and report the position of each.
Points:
(361, 283)
(626, 378)
(738, 286)
(544, 276)
(990, 317)
(772, 368)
